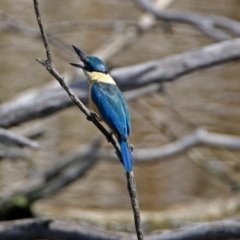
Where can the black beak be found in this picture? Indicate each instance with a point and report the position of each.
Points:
(81, 55)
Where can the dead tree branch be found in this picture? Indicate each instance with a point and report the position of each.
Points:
(10, 138)
(210, 25)
(132, 77)
(200, 137)
(173, 67)
(30, 229)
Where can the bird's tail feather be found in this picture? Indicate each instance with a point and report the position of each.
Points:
(126, 155)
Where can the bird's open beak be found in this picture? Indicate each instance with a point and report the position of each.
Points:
(82, 57)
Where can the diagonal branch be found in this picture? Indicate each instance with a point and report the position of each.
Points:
(49, 66)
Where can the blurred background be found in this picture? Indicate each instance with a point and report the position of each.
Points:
(198, 185)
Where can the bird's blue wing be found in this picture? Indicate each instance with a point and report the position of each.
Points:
(113, 107)
(126, 111)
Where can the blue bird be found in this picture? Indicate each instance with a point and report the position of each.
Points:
(108, 102)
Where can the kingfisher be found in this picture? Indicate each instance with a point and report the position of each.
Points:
(108, 102)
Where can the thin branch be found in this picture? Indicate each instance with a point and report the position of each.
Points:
(206, 24)
(134, 201)
(10, 138)
(49, 66)
(44, 36)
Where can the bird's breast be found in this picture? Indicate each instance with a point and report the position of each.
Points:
(92, 104)
(101, 77)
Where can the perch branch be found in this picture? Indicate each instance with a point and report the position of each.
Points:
(49, 66)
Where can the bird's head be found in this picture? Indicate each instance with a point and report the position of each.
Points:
(90, 63)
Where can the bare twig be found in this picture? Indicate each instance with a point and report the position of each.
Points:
(49, 66)
(132, 77)
(135, 206)
(207, 24)
(10, 138)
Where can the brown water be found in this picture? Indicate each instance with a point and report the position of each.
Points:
(208, 98)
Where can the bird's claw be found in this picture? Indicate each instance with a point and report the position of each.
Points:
(109, 137)
(93, 116)
(131, 147)
(119, 156)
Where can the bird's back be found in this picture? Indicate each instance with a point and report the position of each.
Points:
(108, 101)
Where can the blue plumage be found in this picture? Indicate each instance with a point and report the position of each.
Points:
(108, 101)
(95, 64)
(114, 110)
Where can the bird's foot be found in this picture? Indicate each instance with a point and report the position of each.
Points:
(119, 156)
(131, 147)
(93, 116)
(109, 137)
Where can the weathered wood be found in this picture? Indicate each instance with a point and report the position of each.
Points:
(160, 71)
